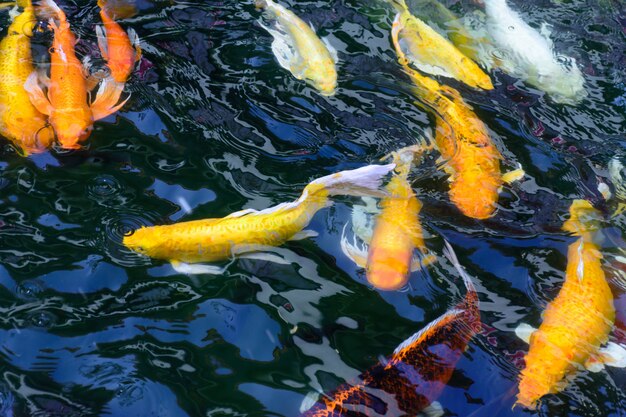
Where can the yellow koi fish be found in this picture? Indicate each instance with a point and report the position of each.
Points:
(424, 48)
(248, 231)
(298, 49)
(397, 231)
(576, 323)
(20, 121)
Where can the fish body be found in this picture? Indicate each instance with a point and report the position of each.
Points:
(299, 50)
(66, 102)
(528, 54)
(20, 121)
(120, 49)
(575, 323)
(431, 53)
(249, 230)
(417, 372)
(397, 231)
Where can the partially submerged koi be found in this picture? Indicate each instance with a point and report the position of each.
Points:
(418, 370)
(66, 100)
(248, 232)
(421, 46)
(20, 121)
(120, 49)
(397, 231)
(576, 323)
(299, 50)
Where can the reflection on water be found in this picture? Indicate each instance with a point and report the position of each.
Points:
(213, 126)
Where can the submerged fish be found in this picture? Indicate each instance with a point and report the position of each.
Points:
(431, 53)
(397, 231)
(417, 372)
(20, 121)
(119, 49)
(66, 101)
(248, 231)
(576, 323)
(298, 49)
(527, 54)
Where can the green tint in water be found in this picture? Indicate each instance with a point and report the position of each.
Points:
(214, 125)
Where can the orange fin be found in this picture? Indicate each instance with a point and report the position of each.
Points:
(36, 94)
(108, 95)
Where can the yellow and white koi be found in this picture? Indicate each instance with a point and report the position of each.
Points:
(525, 53)
(248, 232)
(576, 323)
(397, 231)
(422, 47)
(20, 121)
(299, 50)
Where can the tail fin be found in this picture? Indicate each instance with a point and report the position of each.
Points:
(399, 5)
(449, 253)
(358, 182)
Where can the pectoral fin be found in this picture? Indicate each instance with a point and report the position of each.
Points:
(513, 176)
(102, 43)
(108, 95)
(282, 47)
(613, 354)
(36, 94)
(426, 259)
(265, 256)
(304, 234)
(524, 331)
(357, 254)
(134, 40)
(331, 49)
(197, 269)
(435, 409)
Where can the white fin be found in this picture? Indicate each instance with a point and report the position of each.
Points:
(264, 256)
(546, 32)
(356, 254)
(435, 409)
(515, 175)
(604, 190)
(133, 37)
(331, 49)
(449, 253)
(197, 269)
(36, 94)
(304, 234)
(358, 182)
(613, 354)
(309, 401)
(383, 360)
(241, 213)
(408, 342)
(102, 43)
(282, 47)
(524, 331)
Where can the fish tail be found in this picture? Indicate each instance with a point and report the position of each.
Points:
(399, 5)
(469, 284)
(359, 182)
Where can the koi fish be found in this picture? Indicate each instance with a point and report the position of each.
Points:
(430, 52)
(528, 54)
(248, 231)
(119, 49)
(417, 371)
(397, 231)
(66, 101)
(298, 49)
(576, 323)
(20, 121)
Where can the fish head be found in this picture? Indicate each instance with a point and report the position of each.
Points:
(388, 269)
(564, 82)
(583, 218)
(143, 241)
(474, 199)
(71, 132)
(323, 78)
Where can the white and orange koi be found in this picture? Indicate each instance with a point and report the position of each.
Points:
(397, 231)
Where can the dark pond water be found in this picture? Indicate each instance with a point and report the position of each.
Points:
(214, 125)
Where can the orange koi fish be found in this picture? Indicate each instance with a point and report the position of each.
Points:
(119, 49)
(66, 101)
(471, 159)
(248, 232)
(576, 323)
(397, 231)
(20, 121)
(418, 370)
